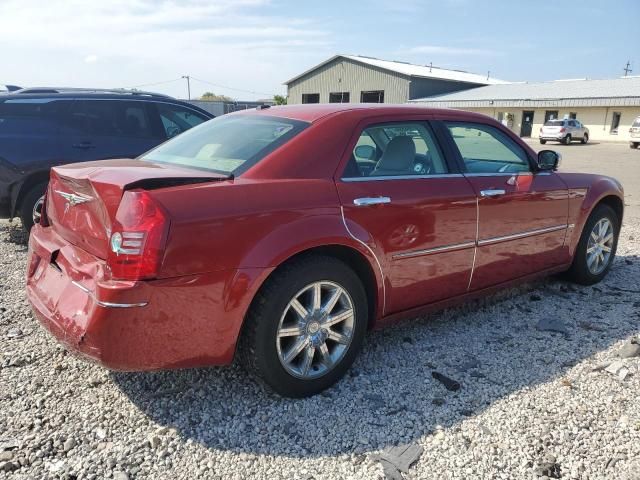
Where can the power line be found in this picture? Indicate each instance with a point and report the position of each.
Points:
(157, 83)
(231, 88)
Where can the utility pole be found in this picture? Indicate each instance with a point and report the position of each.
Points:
(627, 68)
(188, 85)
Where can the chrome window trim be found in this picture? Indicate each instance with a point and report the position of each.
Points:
(107, 304)
(429, 251)
(384, 288)
(401, 177)
(498, 174)
(515, 236)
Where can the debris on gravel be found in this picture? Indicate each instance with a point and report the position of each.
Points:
(395, 460)
(449, 383)
(526, 394)
(630, 349)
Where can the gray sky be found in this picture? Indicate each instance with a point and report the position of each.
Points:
(255, 45)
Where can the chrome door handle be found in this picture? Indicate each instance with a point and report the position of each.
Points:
(365, 202)
(492, 193)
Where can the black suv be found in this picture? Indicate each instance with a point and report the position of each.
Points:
(44, 127)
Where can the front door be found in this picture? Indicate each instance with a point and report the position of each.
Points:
(412, 209)
(527, 123)
(522, 213)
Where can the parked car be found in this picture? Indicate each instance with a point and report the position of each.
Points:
(281, 235)
(634, 133)
(44, 127)
(564, 131)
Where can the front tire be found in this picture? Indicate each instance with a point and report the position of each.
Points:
(31, 206)
(543, 142)
(305, 326)
(567, 140)
(634, 145)
(597, 247)
(585, 139)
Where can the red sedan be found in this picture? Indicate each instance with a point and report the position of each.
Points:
(281, 235)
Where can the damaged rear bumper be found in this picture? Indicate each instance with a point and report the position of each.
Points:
(178, 322)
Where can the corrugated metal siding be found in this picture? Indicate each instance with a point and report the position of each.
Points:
(569, 102)
(343, 75)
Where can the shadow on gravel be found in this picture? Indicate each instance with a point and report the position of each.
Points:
(491, 347)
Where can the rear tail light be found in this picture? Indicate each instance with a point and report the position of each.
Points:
(138, 237)
(562, 130)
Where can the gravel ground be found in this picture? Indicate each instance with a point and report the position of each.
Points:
(534, 396)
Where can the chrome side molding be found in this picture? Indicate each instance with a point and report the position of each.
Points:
(107, 304)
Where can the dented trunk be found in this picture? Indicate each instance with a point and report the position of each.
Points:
(83, 198)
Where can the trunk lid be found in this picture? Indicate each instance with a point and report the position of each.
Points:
(83, 198)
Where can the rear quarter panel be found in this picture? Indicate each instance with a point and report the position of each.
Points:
(585, 192)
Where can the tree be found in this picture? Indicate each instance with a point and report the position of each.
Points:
(212, 97)
(280, 100)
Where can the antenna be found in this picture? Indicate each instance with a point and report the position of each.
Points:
(488, 74)
(627, 68)
(430, 66)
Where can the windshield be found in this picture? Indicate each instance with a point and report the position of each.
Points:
(554, 123)
(228, 144)
(636, 122)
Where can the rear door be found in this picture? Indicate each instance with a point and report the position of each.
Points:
(522, 213)
(412, 208)
(108, 128)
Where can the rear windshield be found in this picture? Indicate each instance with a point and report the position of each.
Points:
(554, 123)
(228, 144)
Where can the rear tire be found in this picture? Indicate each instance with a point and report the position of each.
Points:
(634, 145)
(31, 206)
(543, 142)
(582, 269)
(567, 140)
(585, 139)
(284, 318)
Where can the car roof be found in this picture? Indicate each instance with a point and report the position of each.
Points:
(313, 112)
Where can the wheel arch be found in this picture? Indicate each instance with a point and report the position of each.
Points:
(19, 192)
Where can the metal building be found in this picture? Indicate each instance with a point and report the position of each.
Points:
(353, 79)
(609, 107)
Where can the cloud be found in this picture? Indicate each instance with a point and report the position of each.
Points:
(451, 51)
(240, 43)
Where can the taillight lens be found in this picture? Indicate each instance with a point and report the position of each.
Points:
(562, 130)
(138, 237)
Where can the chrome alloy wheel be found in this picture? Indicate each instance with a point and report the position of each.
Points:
(37, 210)
(315, 330)
(599, 246)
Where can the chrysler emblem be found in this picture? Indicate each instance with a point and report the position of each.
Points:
(73, 199)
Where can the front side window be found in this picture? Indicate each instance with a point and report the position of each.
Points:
(486, 149)
(177, 119)
(227, 144)
(396, 149)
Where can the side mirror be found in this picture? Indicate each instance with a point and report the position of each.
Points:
(548, 160)
(365, 151)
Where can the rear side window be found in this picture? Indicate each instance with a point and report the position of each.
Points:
(228, 144)
(112, 118)
(396, 149)
(486, 149)
(31, 116)
(177, 119)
